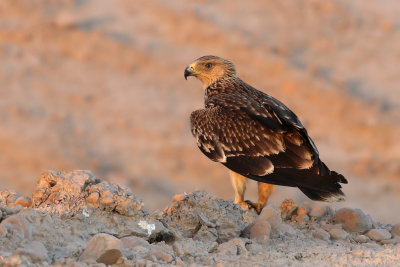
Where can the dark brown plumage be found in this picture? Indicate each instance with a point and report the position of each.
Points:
(256, 135)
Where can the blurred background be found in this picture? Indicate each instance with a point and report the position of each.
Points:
(99, 85)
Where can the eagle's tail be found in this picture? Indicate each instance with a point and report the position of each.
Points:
(318, 183)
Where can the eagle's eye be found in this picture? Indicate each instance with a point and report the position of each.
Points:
(208, 65)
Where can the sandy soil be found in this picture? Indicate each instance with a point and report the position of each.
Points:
(76, 219)
(99, 85)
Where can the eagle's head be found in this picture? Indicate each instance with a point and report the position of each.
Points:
(209, 69)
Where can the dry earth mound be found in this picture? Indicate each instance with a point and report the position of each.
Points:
(76, 219)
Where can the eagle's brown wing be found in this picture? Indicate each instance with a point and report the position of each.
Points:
(258, 141)
(246, 145)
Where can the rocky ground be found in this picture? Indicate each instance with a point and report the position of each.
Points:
(76, 219)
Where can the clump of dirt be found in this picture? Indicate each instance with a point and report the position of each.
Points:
(76, 219)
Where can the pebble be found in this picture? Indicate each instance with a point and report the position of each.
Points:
(318, 212)
(321, 234)
(301, 211)
(328, 227)
(353, 220)
(286, 229)
(287, 208)
(23, 201)
(178, 198)
(93, 198)
(396, 229)
(228, 248)
(379, 234)
(102, 248)
(271, 215)
(16, 224)
(338, 234)
(158, 253)
(35, 250)
(389, 242)
(361, 239)
(130, 242)
(303, 218)
(260, 231)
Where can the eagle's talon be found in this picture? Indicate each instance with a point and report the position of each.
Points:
(250, 205)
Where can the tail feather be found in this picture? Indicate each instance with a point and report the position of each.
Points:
(317, 183)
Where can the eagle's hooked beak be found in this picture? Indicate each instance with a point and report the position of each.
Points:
(189, 71)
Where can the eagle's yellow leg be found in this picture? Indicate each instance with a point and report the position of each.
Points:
(264, 192)
(239, 185)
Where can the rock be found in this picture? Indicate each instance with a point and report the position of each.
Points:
(206, 234)
(301, 211)
(338, 234)
(201, 208)
(286, 229)
(71, 192)
(353, 220)
(318, 212)
(102, 248)
(24, 201)
(158, 253)
(35, 250)
(328, 227)
(287, 209)
(321, 234)
(379, 234)
(130, 242)
(272, 216)
(228, 249)
(361, 239)
(396, 229)
(93, 198)
(303, 218)
(177, 198)
(260, 231)
(16, 226)
(389, 242)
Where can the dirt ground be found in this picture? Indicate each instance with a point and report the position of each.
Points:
(77, 219)
(99, 85)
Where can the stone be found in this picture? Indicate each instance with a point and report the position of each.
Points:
(396, 229)
(16, 225)
(271, 215)
(361, 239)
(321, 234)
(24, 201)
(353, 220)
(286, 229)
(338, 234)
(206, 234)
(301, 211)
(379, 234)
(93, 198)
(303, 218)
(260, 231)
(287, 208)
(228, 249)
(318, 212)
(328, 227)
(389, 242)
(102, 248)
(178, 198)
(158, 253)
(129, 242)
(35, 250)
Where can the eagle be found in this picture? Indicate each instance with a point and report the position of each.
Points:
(256, 137)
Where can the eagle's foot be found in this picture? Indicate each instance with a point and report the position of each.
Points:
(250, 205)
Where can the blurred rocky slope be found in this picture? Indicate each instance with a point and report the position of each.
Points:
(99, 85)
(76, 219)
